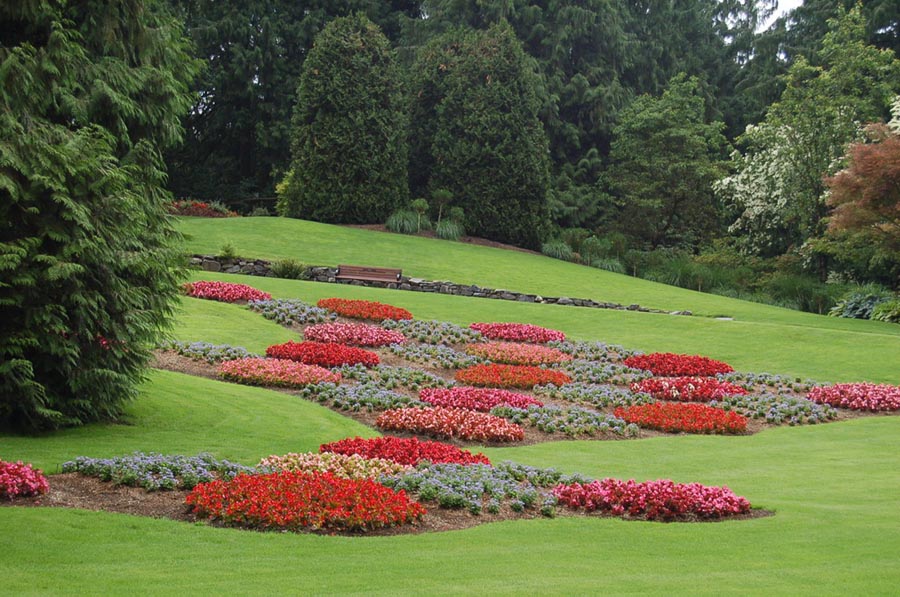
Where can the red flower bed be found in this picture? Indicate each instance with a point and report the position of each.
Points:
(409, 451)
(18, 479)
(653, 500)
(298, 500)
(858, 396)
(322, 354)
(689, 418)
(224, 291)
(518, 332)
(478, 399)
(510, 376)
(451, 422)
(517, 354)
(667, 364)
(357, 334)
(688, 389)
(190, 207)
(275, 372)
(358, 309)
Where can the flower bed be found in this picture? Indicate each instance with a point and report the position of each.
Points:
(858, 396)
(224, 291)
(593, 351)
(433, 332)
(156, 471)
(584, 371)
(289, 311)
(510, 376)
(683, 417)
(410, 451)
(451, 422)
(518, 332)
(366, 396)
(477, 399)
(345, 466)
(688, 389)
(359, 309)
(573, 421)
(322, 354)
(18, 479)
(296, 500)
(652, 500)
(667, 364)
(517, 354)
(435, 355)
(200, 209)
(204, 351)
(356, 334)
(598, 395)
(275, 372)
(776, 409)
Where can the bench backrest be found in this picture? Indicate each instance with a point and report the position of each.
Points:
(362, 272)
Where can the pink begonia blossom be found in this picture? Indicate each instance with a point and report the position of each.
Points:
(858, 396)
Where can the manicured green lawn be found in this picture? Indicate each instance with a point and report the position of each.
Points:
(835, 488)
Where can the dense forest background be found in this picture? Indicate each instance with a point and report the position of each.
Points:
(681, 141)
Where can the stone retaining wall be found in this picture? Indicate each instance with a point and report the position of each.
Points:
(261, 267)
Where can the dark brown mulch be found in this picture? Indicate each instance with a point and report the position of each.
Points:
(72, 490)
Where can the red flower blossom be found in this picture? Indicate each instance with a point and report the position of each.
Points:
(451, 422)
(477, 399)
(518, 332)
(510, 376)
(322, 354)
(409, 451)
(356, 334)
(667, 364)
(18, 479)
(275, 372)
(681, 417)
(858, 396)
(359, 309)
(512, 353)
(688, 389)
(224, 291)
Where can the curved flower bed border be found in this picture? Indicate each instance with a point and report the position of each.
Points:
(653, 500)
(225, 292)
(322, 354)
(477, 399)
(511, 353)
(356, 334)
(683, 417)
(359, 309)
(668, 364)
(858, 396)
(297, 500)
(275, 372)
(510, 376)
(402, 450)
(451, 422)
(688, 389)
(518, 332)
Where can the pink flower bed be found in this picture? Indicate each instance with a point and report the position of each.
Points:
(477, 399)
(275, 372)
(510, 376)
(18, 479)
(687, 389)
(405, 450)
(667, 364)
(518, 332)
(451, 422)
(356, 334)
(858, 396)
(224, 291)
(653, 500)
(323, 354)
(517, 354)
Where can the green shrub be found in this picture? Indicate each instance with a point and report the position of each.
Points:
(558, 250)
(260, 212)
(290, 269)
(227, 252)
(448, 229)
(403, 221)
(888, 311)
(800, 292)
(610, 264)
(860, 302)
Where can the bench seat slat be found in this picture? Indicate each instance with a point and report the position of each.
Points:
(373, 274)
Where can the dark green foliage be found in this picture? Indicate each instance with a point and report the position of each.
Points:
(888, 311)
(448, 229)
(348, 141)
(290, 269)
(403, 221)
(477, 134)
(88, 98)
(665, 158)
(558, 249)
(860, 303)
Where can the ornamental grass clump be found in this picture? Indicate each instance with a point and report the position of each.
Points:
(157, 471)
(276, 373)
(676, 417)
(662, 500)
(225, 292)
(303, 501)
(359, 309)
(355, 334)
(345, 466)
(688, 389)
(18, 480)
(858, 396)
(402, 450)
(512, 353)
(291, 311)
(451, 423)
(477, 399)
(518, 332)
(667, 364)
(323, 354)
(510, 376)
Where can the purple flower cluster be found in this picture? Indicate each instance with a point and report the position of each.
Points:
(597, 395)
(573, 421)
(584, 371)
(291, 311)
(594, 351)
(433, 332)
(437, 355)
(777, 409)
(204, 351)
(366, 396)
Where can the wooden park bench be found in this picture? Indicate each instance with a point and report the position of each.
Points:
(369, 274)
